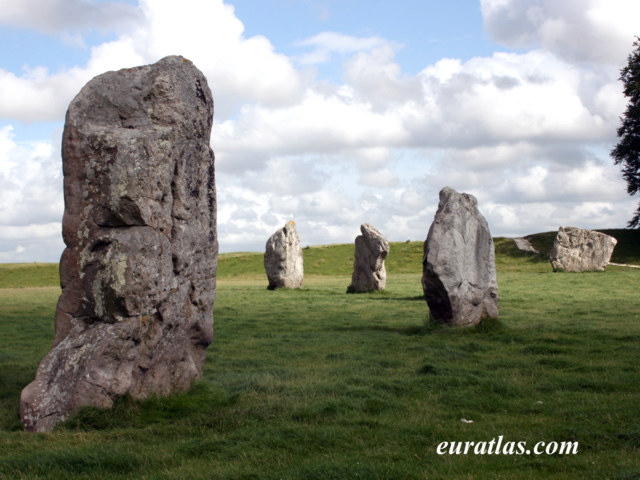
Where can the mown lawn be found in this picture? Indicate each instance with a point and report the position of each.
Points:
(318, 384)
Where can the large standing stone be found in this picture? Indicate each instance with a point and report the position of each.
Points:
(138, 275)
(283, 258)
(459, 272)
(371, 248)
(578, 250)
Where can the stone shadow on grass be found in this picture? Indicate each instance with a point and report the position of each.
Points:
(486, 326)
(378, 296)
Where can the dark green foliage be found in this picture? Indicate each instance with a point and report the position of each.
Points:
(627, 151)
(626, 250)
(543, 242)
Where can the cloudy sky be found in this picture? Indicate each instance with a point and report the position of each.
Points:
(339, 112)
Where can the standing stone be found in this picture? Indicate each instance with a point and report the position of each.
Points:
(371, 248)
(459, 271)
(138, 274)
(524, 245)
(578, 250)
(283, 258)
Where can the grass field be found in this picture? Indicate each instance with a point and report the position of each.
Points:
(318, 384)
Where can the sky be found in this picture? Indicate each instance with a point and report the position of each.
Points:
(334, 113)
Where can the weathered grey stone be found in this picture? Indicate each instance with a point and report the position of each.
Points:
(371, 248)
(459, 272)
(138, 275)
(525, 245)
(579, 250)
(283, 258)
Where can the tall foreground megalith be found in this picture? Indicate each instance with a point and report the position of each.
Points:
(139, 269)
(459, 267)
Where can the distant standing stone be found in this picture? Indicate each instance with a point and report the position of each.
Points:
(579, 250)
(283, 258)
(459, 273)
(138, 274)
(524, 245)
(371, 248)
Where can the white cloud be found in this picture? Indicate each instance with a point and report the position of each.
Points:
(324, 45)
(239, 69)
(31, 204)
(531, 186)
(510, 97)
(376, 79)
(516, 220)
(600, 31)
(35, 96)
(30, 183)
(317, 124)
(527, 133)
(60, 16)
(383, 178)
(36, 243)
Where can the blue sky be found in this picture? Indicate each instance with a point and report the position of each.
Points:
(335, 113)
(427, 30)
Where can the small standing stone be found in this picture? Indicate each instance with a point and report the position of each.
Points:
(371, 248)
(138, 274)
(459, 272)
(524, 245)
(283, 258)
(579, 250)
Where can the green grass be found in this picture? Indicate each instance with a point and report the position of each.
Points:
(29, 275)
(405, 257)
(317, 384)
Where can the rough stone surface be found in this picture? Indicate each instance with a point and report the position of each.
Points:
(138, 273)
(459, 272)
(524, 245)
(371, 248)
(579, 250)
(283, 258)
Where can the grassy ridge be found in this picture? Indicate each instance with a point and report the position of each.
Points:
(404, 257)
(29, 275)
(317, 384)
